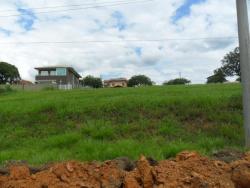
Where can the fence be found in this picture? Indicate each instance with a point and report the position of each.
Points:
(65, 87)
(38, 87)
(34, 87)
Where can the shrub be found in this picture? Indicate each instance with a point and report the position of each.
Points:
(177, 81)
(6, 89)
(139, 80)
(49, 88)
(93, 82)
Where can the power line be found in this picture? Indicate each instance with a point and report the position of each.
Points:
(63, 6)
(83, 8)
(122, 41)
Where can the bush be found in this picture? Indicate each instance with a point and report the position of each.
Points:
(93, 82)
(2, 90)
(139, 80)
(49, 88)
(8, 73)
(177, 81)
(6, 89)
(218, 77)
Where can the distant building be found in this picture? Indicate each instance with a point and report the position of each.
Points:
(119, 82)
(65, 77)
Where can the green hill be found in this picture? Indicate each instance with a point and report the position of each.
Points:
(107, 123)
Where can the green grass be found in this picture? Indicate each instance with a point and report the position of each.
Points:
(46, 126)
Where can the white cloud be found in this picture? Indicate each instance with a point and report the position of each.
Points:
(152, 20)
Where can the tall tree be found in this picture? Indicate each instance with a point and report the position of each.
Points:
(91, 81)
(8, 73)
(218, 77)
(231, 63)
(177, 81)
(139, 80)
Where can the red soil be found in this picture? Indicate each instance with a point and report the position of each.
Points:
(188, 169)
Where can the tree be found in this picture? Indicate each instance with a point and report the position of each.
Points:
(91, 81)
(177, 81)
(218, 77)
(231, 63)
(8, 73)
(139, 80)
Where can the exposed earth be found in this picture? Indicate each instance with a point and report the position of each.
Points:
(188, 169)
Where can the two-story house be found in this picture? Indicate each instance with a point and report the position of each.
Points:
(60, 75)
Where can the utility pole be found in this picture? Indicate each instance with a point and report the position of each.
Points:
(243, 26)
(180, 75)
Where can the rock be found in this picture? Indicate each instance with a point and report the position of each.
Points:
(19, 172)
(247, 156)
(69, 167)
(241, 174)
(152, 162)
(186, 155)
(130, 181)
(33, 177)
(4, 171)
(228, 155)
(145, 171)
(125, 163)
(59, 170)
(111, 175)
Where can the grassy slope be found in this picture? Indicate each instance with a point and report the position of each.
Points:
(103, 124)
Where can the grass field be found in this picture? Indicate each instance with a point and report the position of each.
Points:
(102, 124)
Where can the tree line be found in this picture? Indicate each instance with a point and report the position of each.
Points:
(230, 67)
(134, 81)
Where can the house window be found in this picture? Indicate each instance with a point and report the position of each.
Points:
(61, 72)
(44, 73)
(52, 73)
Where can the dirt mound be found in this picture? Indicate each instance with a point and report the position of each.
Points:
(188, 169)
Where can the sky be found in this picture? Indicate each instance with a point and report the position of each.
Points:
(121, 40)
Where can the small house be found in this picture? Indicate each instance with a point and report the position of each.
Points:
(119, 82)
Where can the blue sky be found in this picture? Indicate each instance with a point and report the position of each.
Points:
(138, 51)
(120, 22)
(185, 9)
(5, 31)
(27, 19)
(160, 60)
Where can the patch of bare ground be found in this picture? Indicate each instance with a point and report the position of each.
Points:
(188, 169)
